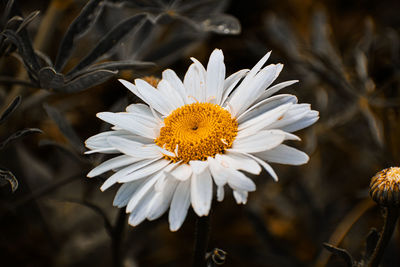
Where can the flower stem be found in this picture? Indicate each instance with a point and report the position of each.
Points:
(201, 241)
(387, 231)
(117, 238)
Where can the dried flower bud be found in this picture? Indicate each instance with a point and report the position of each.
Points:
(385, 187)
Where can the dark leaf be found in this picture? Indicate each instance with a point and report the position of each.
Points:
(19, 134)
(7, 176)
(13, 22)
(110, 40)
(24, 46)
(372, 240)
(87, 80)
(117, 65)
(45, 60)
(78, 27)
(48, 78)
(14, 104)
(65, 127)
(7, 11)
(342, 253)
(27, 20)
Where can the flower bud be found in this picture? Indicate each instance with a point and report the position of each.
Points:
(385, 187)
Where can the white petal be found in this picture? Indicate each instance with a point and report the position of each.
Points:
(142, 191)
(241, 182)
(255, 70)
(125, 171)
(273, 89)
(294, 114)
(201, 192)
(198, 166)
(125, 192)
(231, 82)
(194, 82)
(162, 200)
(145, 171)
(263, 121)
(266, 166)
(215, 76)
(263, 140)
(235, 179)
(131, 88)
(125, 121)
(159, 186)
(285, 155)
(171, 95)
(239, 161)
(134, 149)
(266, 105)
(244, 98)
(218, 172)
(141, 110)
(99, 141)
(179, 205)
(240, 196)
(113, 163)
(153, 97)
(220, 193)
(182, 172)
(140, 212)
(306, 121)
(175, 82)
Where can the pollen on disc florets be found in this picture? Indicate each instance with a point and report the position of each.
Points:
(385, 187)
(197, 131)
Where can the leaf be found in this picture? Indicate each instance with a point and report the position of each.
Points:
(7, 11)
(24, 46)
(19, 134)
(116, 65)
(48, 78)
(10, 109)
(27, 20)
(110, 40)
(82, 23)
(64, 127)
(87, 80)
(8, 176)
(342, 253)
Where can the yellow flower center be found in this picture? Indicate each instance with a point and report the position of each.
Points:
(197, 131)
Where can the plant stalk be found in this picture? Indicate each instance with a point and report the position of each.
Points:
(386, 234)
(201, 241)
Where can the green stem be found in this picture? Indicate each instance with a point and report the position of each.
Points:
(201, 241)
(386, 234)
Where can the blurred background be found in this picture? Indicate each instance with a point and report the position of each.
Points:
(59, 67)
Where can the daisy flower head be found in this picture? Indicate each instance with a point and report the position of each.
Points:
(193, 134)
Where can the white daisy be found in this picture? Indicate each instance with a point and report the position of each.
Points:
(192, 134)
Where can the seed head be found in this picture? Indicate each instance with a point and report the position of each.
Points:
(385, 187)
